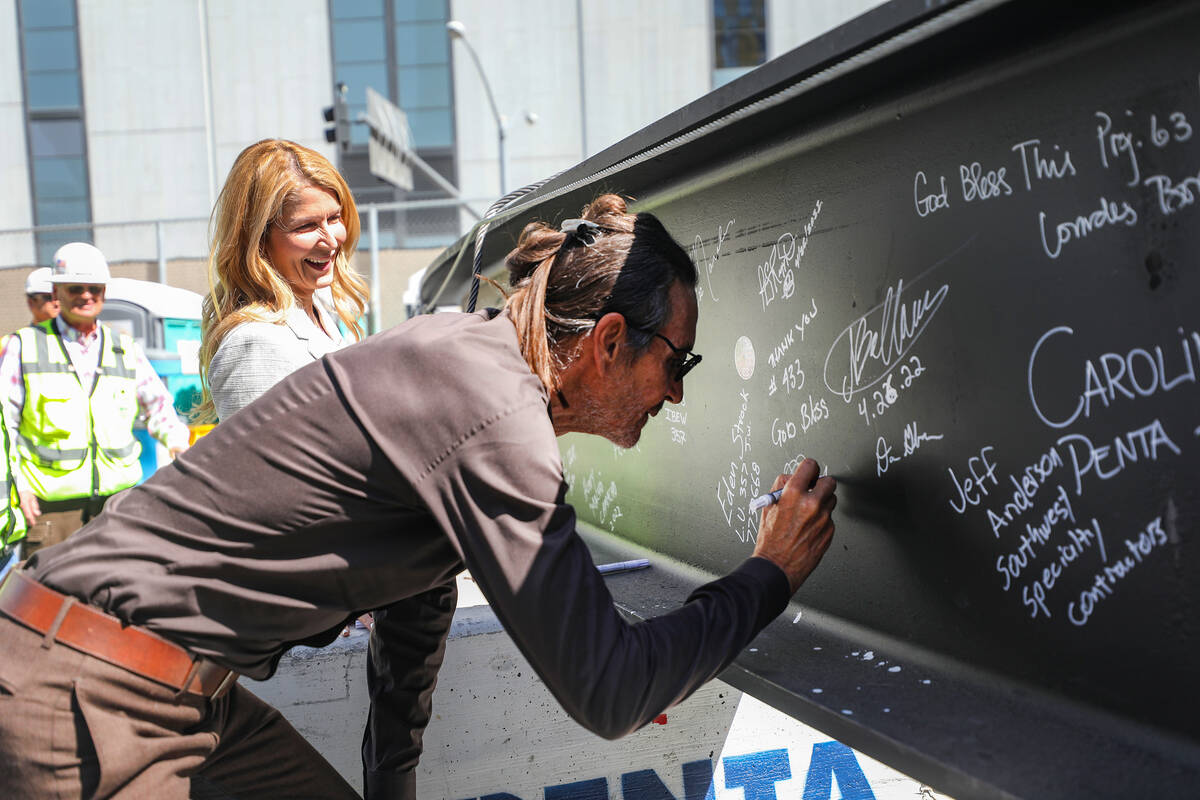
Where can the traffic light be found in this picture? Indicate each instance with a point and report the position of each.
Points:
(339, 115)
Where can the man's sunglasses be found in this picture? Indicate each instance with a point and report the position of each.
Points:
(687, 359)
(77, 288)
(40, 297)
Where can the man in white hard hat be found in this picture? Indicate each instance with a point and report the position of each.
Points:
(39, 295)
(73, 389)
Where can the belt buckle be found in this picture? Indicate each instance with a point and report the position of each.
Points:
(198, 665)
(223, 687)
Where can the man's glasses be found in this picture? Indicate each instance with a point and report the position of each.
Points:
(39, 297)
(95, 288)
(687, 359)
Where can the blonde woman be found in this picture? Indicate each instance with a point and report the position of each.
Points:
(284, 230)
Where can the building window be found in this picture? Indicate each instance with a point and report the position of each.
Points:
(400, 49)
(423, 71)
(739, 38)
(54, 122)
(359, 55)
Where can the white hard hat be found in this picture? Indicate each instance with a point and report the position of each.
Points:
(79, 262)
(38, 281)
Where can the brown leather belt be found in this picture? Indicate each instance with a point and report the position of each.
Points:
(62, 619)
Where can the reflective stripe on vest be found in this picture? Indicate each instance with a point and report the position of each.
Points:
(77, 441)
(12, 521)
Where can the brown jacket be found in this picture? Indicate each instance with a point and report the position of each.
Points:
(368, 479)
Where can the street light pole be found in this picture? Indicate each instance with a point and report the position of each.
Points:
(459, 31)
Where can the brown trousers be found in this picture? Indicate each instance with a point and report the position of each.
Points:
(73, 726)
(60, 519)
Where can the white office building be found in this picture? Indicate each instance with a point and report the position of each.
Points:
(122, 117)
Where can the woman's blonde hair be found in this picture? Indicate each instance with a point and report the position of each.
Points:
(243, 285)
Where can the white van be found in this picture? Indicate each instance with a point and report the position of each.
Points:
(165, 321)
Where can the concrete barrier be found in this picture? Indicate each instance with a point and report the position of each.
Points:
(498, 734)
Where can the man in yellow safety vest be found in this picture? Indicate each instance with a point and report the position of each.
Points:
(73, 389)
(39, 297)
(12, 521)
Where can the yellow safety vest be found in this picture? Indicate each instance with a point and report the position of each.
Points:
(12, 521)
(76, 441)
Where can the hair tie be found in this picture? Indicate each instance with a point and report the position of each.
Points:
(580, 231)
(573, 225)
